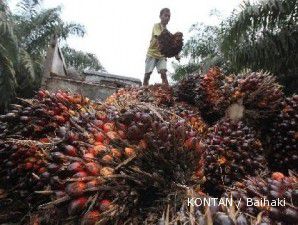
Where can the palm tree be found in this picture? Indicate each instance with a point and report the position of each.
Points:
(24, 38)
(8, 57)
(264, 35)
(80, 60)
(34, 28)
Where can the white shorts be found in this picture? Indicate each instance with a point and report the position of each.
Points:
(151, 63)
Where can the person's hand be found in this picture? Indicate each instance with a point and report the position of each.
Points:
(177, 57)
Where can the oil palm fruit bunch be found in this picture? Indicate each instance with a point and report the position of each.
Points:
(283, 137)
(185, 89)
(43, 114)
(170, 44)
(56, 168)
(275, 199)
(261, 94)
(209, 92)
(64, 172)
(190, 114)
(232, 151)
(157, 94)
(213, 96)
(157, 169)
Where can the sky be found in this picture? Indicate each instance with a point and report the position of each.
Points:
(119, 32)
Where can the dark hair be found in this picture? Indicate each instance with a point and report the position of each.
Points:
(163, 11)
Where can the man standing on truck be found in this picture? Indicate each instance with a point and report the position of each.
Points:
(154, 58)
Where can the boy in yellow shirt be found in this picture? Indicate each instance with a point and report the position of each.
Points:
(154, 58)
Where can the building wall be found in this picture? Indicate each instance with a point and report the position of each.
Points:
(93, 91)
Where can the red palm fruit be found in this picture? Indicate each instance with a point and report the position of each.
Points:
(53, 167)
(191, 143)
(98, 123)
(88, 156)
(41, 94)
(99, 137)
(107, 158)
(44, 140)
(71, 150)
(60, 119)
(75, 167)
(98, 149)
(116, 153)
(277, 176)
(121, 134)
(108, 127)
(75, 188)
(51, 113)
(92, 168)
(80, 174)
(134, 133)
(91, 217)
(101, 116)
(129, 152)
(58, 156)
(42, 170)
(143, 144)
(62, 107)
(106, 171)
(112, 135)
(28, 165)
(92, 184)
(71, 136)
(104, 205)
(60, 97)
(77, 206)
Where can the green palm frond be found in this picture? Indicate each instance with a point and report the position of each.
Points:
(270, 15)
(7, 81)
(81, 60)
(26, 65)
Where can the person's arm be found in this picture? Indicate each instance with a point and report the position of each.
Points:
(156, 30)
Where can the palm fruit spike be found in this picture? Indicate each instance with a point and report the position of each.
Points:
(185, 90)
(233, 151)
(283, 137)
(212, 97)
(276, 197)
(158, 95)
(261, 94)
(170, 44)
(190, 114)
(209, 92)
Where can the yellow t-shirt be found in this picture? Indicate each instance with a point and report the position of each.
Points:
(153, 50)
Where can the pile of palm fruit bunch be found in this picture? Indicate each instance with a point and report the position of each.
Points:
(254, 126)
(162, 97)
(170, 44)
(275, 198)
(137, 157)
(76, 161)
(157, 95)
(53, 148)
